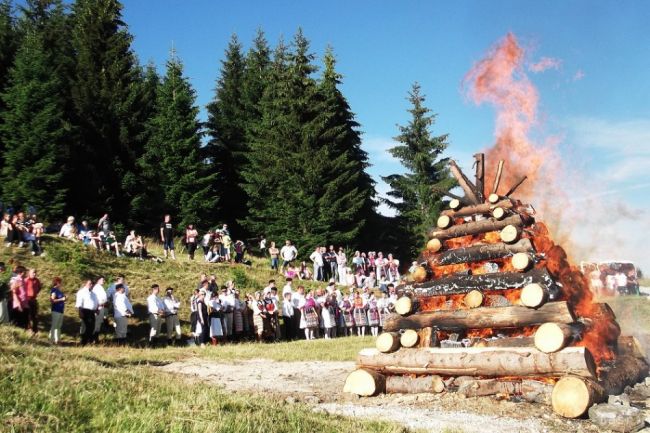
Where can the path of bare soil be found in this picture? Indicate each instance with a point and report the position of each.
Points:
(320, 384)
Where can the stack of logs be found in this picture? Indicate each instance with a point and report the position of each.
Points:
(489, 312)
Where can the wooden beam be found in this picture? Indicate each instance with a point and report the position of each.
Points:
(464, 183)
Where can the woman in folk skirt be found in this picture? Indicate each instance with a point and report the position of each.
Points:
(373, 315)
(347, 316)
(238, 317)
(329, 317)
(384, 310)
(216, 328)
(309, 318)
(202, 320)
(360, 316)
(259, 314)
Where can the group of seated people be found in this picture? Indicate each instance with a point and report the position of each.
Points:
(20, 229)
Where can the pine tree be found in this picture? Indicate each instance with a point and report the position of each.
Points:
(173, 152)
(34, 131)
(107, 99)
(227, 147)
(413, 197)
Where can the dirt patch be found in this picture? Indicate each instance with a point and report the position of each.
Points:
(320, 384)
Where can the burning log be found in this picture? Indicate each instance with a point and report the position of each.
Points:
(481, 361)
(626, 371)
(388, 342)
(409, 338)
(530, 390)
(551, 337)
(478, 253)
(479, 227)
(365, 383)
(573, 395)
(483, 317)
(464, 182)
(460, 284)
(478, 209)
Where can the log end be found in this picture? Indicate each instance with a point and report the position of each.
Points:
(509, 234)
(494, 198)
(419, 274)
(444, 221)
(434, 245)
(550, 337)
(473, 299)
(521, 261)
(499, 213)
(532, 295)
(403, 305)
(573, 396)
(409, 338)
(455, 204)
(388, 342)
(364, 383)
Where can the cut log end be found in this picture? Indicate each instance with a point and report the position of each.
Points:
(473, 299)
(419, 274)
(388, 342)
(455, 204)
(509, 234)
(573, 396)
(444, 221)
(521, 261)
(494, 198)
(403, 305)
(434, 245)
(551, 337)
(499, 213)
(409, 338)
(365, 383)
(533, 295)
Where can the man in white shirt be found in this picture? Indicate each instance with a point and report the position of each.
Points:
(227, 298)
(287, 315)
(157, 312)
(112, 289)
(288, 254)
(298, 301)
(317, 259)
(621, 282)
(102, 301)
(171, 320)
(86, 303)
(122, 310)
(288, 288)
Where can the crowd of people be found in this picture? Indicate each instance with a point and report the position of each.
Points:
(21, 230)
(218, 314)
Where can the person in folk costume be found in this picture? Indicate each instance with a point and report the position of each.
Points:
(122, 310)
(202, 331)
(298, 301)
(335, 312)
(157, 313)
(328, 314)
(227, 298)
(215, 311)
(275, 317)
(373, 315)
(347, 317)
(379, 265)
(288, 312)
(384, 308)
(239, 308)
(360, 316)
(193, 310)
(310, 316)
(270, 309)
(259, 315)
(321, 298)
(249, 326)
(172, 322)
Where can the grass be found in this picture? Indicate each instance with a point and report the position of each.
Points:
(53, 389)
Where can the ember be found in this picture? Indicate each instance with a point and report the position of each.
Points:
(497, 308)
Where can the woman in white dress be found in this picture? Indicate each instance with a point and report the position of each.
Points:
(329, 316)
(216, 328)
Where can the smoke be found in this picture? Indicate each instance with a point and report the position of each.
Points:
(544, 64)
(574, 204)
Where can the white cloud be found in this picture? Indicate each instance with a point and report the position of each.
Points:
(625, 137)
(377, 148)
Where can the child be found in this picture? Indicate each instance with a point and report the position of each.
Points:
(373, 315)
(359, 312)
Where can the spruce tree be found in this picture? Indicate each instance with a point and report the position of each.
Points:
(412, 195)
(227, 146)
(256, 78)
(173, 153)
(8, 44)
(34, 131)
(107, 99)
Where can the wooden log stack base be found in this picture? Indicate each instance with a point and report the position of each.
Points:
(481, 361)
(572, 396)
(483, 317)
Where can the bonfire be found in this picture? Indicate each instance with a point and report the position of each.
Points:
(496, 308)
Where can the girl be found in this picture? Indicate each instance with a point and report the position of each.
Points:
(373, 315)
(329, 317)
(341, 261)
(347, 316)
(360, 316)
(310, 316)
(190, 240)
(57, 299)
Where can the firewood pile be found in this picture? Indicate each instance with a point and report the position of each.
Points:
(495, 308)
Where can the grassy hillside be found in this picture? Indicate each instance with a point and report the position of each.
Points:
(73, 262)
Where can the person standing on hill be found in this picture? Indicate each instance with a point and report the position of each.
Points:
(167, 236)
(57, 301)
(104, 224)
(156, 308)
(317, 259)
(19, 304)
(274, 253)
(172, 323)
(32, 289)
(102, 303)
(288, 254)
(87, 305)
(191, 235)
(122, 311)
(4, 293)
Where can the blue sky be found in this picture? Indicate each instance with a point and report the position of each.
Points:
(596, 100)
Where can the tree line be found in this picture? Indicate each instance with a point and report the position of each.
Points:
(86, 129)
